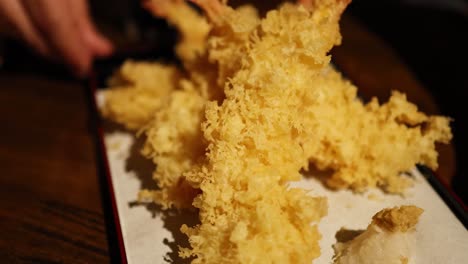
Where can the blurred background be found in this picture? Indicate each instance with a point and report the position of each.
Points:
(429, 36)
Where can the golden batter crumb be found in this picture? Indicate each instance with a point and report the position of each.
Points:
(374, 197)
(404, 260)
(400, 219)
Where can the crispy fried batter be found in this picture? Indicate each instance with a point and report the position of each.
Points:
(138, 89)
(175, 143)
(398, 219)
(258, 104)
(367, 145)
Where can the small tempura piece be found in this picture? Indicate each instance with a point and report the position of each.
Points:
(138, 89)
(388, 239)
(175, 144)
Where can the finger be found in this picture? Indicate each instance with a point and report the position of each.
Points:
(308, 4)
(15, 22)
(98, 44)
(158, 8)
(54, 21)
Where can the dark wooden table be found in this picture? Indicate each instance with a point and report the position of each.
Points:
(50, 204)
(51, 208)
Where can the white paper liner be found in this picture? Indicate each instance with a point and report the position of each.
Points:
(441, 238)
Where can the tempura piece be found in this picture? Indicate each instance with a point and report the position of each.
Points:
(367, 145)
(247, 212)
(388, 239)
(175, 143)
(138, 89)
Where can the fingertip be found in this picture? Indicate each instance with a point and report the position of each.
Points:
(98, 44)
(104, 48)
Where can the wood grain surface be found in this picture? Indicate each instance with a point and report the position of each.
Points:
(50, 205)
(51, 208)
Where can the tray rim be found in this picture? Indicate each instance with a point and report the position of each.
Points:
(113, 226)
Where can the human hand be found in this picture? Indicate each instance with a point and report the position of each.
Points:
(57, 29)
